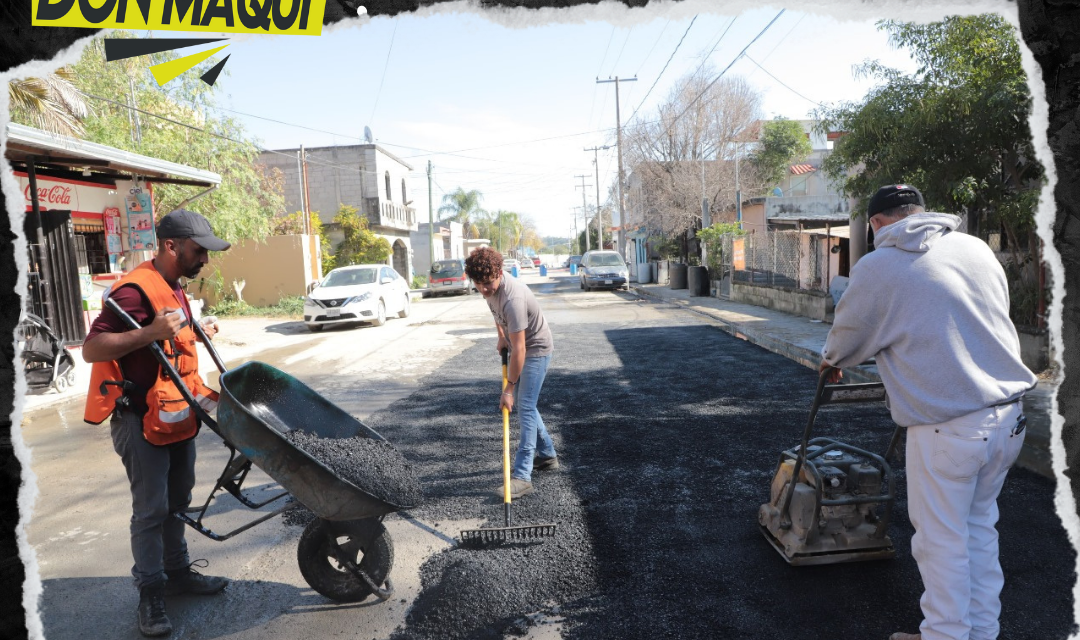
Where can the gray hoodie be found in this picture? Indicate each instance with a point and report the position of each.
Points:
(932, 305)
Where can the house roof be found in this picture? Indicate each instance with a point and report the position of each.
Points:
(24, 143)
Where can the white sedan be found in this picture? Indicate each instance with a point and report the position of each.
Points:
(357, 293)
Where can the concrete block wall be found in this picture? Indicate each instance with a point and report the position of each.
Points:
(811, 304)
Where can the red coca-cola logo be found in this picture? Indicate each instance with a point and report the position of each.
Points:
(56, 194)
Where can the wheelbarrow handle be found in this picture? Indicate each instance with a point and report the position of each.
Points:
(209, 347)
(167, 367)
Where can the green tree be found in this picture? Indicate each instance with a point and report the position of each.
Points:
(52, 102)
(361, 245)
(464, 207)
(957, 128)
(186, 132)
(782, 142)
(713, 237)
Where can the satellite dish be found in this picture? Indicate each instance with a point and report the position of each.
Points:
(778, 192)
(368, 138)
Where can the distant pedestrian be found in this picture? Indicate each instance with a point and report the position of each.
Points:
(932, 305)
(523, 330)
(153, 428)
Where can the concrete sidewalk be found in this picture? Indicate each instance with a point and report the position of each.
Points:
(802, 339)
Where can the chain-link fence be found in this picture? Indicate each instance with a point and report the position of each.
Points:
(792, 259)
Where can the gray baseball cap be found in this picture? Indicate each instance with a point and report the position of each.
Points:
(182, 223)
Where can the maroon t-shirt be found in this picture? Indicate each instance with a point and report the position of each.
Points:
(139, 366)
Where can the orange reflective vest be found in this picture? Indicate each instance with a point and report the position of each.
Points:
(169, 418)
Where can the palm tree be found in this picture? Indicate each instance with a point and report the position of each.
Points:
(51, 102)
(464, 207)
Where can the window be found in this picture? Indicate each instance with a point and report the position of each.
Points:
(389, 198)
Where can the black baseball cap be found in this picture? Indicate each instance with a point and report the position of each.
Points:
(182, 223)
(891, 196)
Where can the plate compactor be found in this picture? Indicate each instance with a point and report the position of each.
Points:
(831, 502)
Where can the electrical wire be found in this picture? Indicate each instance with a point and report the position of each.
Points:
(670, 58)
(782, 83)
(383, 79)
(667, 129)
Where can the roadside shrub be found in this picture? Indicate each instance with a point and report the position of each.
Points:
(287, 307)
(420, 281)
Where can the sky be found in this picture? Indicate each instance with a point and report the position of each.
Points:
(507, 102)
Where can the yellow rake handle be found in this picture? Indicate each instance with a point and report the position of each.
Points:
(506, 437)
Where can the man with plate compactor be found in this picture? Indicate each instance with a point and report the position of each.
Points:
(931, 304)
(153, 428)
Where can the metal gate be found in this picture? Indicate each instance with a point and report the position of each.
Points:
(58, 295)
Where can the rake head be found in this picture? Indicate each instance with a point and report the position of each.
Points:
(499, 535)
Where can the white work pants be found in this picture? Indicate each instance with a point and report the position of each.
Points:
(955, 471)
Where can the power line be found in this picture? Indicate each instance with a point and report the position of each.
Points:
(649, 54)
(385, 65)
(670, 58)
(616, 63)
(782, 84)
(721, 75)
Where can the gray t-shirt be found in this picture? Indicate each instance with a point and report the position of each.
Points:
(515, 309)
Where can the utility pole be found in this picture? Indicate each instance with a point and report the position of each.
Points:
(738, 192)
(430, 218)
(618, 145)
(596, 163)
(307, 196)
(585, 210)
(300, 182)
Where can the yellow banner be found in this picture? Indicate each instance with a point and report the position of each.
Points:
(292, 17)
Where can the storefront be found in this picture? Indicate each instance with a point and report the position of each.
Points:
(89, 218)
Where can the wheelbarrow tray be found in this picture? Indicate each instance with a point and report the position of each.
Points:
(259, 404)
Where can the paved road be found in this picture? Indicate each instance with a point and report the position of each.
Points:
(655, 504)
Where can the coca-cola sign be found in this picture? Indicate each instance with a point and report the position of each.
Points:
(56, 194)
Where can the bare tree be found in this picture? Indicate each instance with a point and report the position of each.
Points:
(686, 152)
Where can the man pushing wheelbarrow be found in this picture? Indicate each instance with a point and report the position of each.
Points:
(153, 429)
(146, 378)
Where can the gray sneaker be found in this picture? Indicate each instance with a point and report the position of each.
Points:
(900, 635)
(545, 464)
(152, 619)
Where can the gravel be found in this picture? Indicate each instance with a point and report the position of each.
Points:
(374, 466)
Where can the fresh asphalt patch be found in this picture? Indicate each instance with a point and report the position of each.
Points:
(668, 436)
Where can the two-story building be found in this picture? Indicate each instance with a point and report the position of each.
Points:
(364, 176)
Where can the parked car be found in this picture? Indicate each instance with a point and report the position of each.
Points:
(509, 264)
(536, 261)
(357, 293)
(572, 260)
(526, 263)
(604, 270)
(448, 276)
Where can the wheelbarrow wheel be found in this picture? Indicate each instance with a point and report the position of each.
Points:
(365, 542)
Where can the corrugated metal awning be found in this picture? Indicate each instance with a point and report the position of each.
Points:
(46, 148)
(835, 232)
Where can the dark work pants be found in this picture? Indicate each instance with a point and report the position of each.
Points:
(161, 479)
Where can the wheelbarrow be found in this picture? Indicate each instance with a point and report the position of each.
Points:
(345, 553)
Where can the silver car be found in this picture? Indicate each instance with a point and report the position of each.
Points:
(358, 293)
(448, 276)
(603, 270)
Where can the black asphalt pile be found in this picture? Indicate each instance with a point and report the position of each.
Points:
(668, 433)
(374, 466)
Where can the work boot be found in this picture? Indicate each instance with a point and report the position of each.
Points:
(189, 581)
(518, 488)
(152, 619)
(545, 464)
(900, 635)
